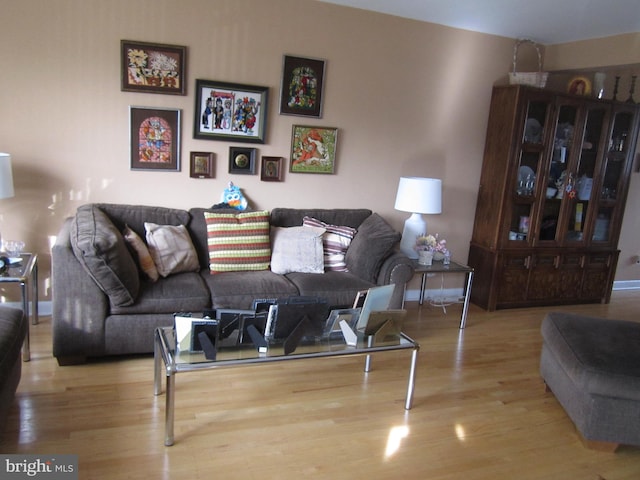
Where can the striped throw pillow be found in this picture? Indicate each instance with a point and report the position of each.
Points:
(238, 241)
(336, 241)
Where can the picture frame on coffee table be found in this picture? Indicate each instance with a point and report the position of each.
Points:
(230, 112)
(153, 68)
(202, 165)
(271, 169)
(313, 149)
(242, 160)
(154, 138)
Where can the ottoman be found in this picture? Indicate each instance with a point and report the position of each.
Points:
(13, 328)
(592, 366)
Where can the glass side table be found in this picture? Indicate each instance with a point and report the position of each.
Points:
(441, 268)
(26, 274)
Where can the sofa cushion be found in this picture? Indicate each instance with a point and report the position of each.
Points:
(240, 289)
(100, 248)
(297, 249)
(238, 242)
(339, 288)
(181, 292)
(336, 241)
(370, 246)
(141, 253)
(171, 249)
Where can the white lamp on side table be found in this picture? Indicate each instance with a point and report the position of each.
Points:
(418, 196)
(6, 179)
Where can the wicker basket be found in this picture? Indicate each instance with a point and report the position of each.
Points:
(535, 79)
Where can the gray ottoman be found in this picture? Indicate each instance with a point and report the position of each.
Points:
(592, 366)
(13, 328)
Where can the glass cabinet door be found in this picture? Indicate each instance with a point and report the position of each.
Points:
(530, 161)
(613, 173)
(579, 194)
(559, 177)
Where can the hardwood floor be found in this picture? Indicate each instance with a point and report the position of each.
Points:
(480, 411)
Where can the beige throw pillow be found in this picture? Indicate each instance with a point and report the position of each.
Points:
(171, 248)
(142, 253)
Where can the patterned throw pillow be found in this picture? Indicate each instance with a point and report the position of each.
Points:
(336, 241)
(142, 253)
(171, 248)
(238, 242)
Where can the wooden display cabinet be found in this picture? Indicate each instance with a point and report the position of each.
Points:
(552, 192)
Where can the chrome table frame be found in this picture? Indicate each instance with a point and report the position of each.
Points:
(24, 273)
(441, 268)
(164, 352)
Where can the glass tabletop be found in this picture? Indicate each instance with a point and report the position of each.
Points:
(19, 268)
(439, 266)
(333, 345)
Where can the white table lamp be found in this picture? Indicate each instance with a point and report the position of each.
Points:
(6, 179)
(418, 196)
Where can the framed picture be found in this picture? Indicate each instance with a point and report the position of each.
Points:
(229, 111)
(579, 86)
(202, 165)
(242, 160)
(302, 86)
(153, 67)
(154, 138)
(313, 149)
(271, 170)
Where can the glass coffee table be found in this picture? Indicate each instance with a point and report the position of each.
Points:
(176, 361)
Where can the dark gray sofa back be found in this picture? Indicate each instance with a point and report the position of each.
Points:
(292, 217)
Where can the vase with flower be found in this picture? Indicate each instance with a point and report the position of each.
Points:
(430, 248)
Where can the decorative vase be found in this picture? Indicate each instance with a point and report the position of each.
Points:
(425, 257)
(438, 256)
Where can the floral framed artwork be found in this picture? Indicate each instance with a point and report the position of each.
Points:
(154, 135)
(230, 111)
(271, 169)
(302, 86)
(313, 149)
(201, 165)
(153, 67)
(242, 160)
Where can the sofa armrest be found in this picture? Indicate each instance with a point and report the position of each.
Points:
(79, 306)
(397, 268)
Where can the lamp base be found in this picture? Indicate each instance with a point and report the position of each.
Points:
(414, 226)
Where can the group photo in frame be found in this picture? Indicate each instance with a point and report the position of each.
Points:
(302, 86)
(153, 67)
(271, 169)
(154, 138)
(242, 160)
(201, 165)
(313, 149)
(230, 111)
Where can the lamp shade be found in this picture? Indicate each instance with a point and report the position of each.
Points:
(419, 195)
(6, 176)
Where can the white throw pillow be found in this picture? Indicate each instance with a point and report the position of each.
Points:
(297, 249)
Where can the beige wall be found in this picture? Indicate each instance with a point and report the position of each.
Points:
(408, 98)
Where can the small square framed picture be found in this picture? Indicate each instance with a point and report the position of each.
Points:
(202, 165)
(242, 160)
(271, 169)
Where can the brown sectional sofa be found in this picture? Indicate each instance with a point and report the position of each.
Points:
(91, 258)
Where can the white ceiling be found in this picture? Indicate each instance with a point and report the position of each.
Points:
(544, 21)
